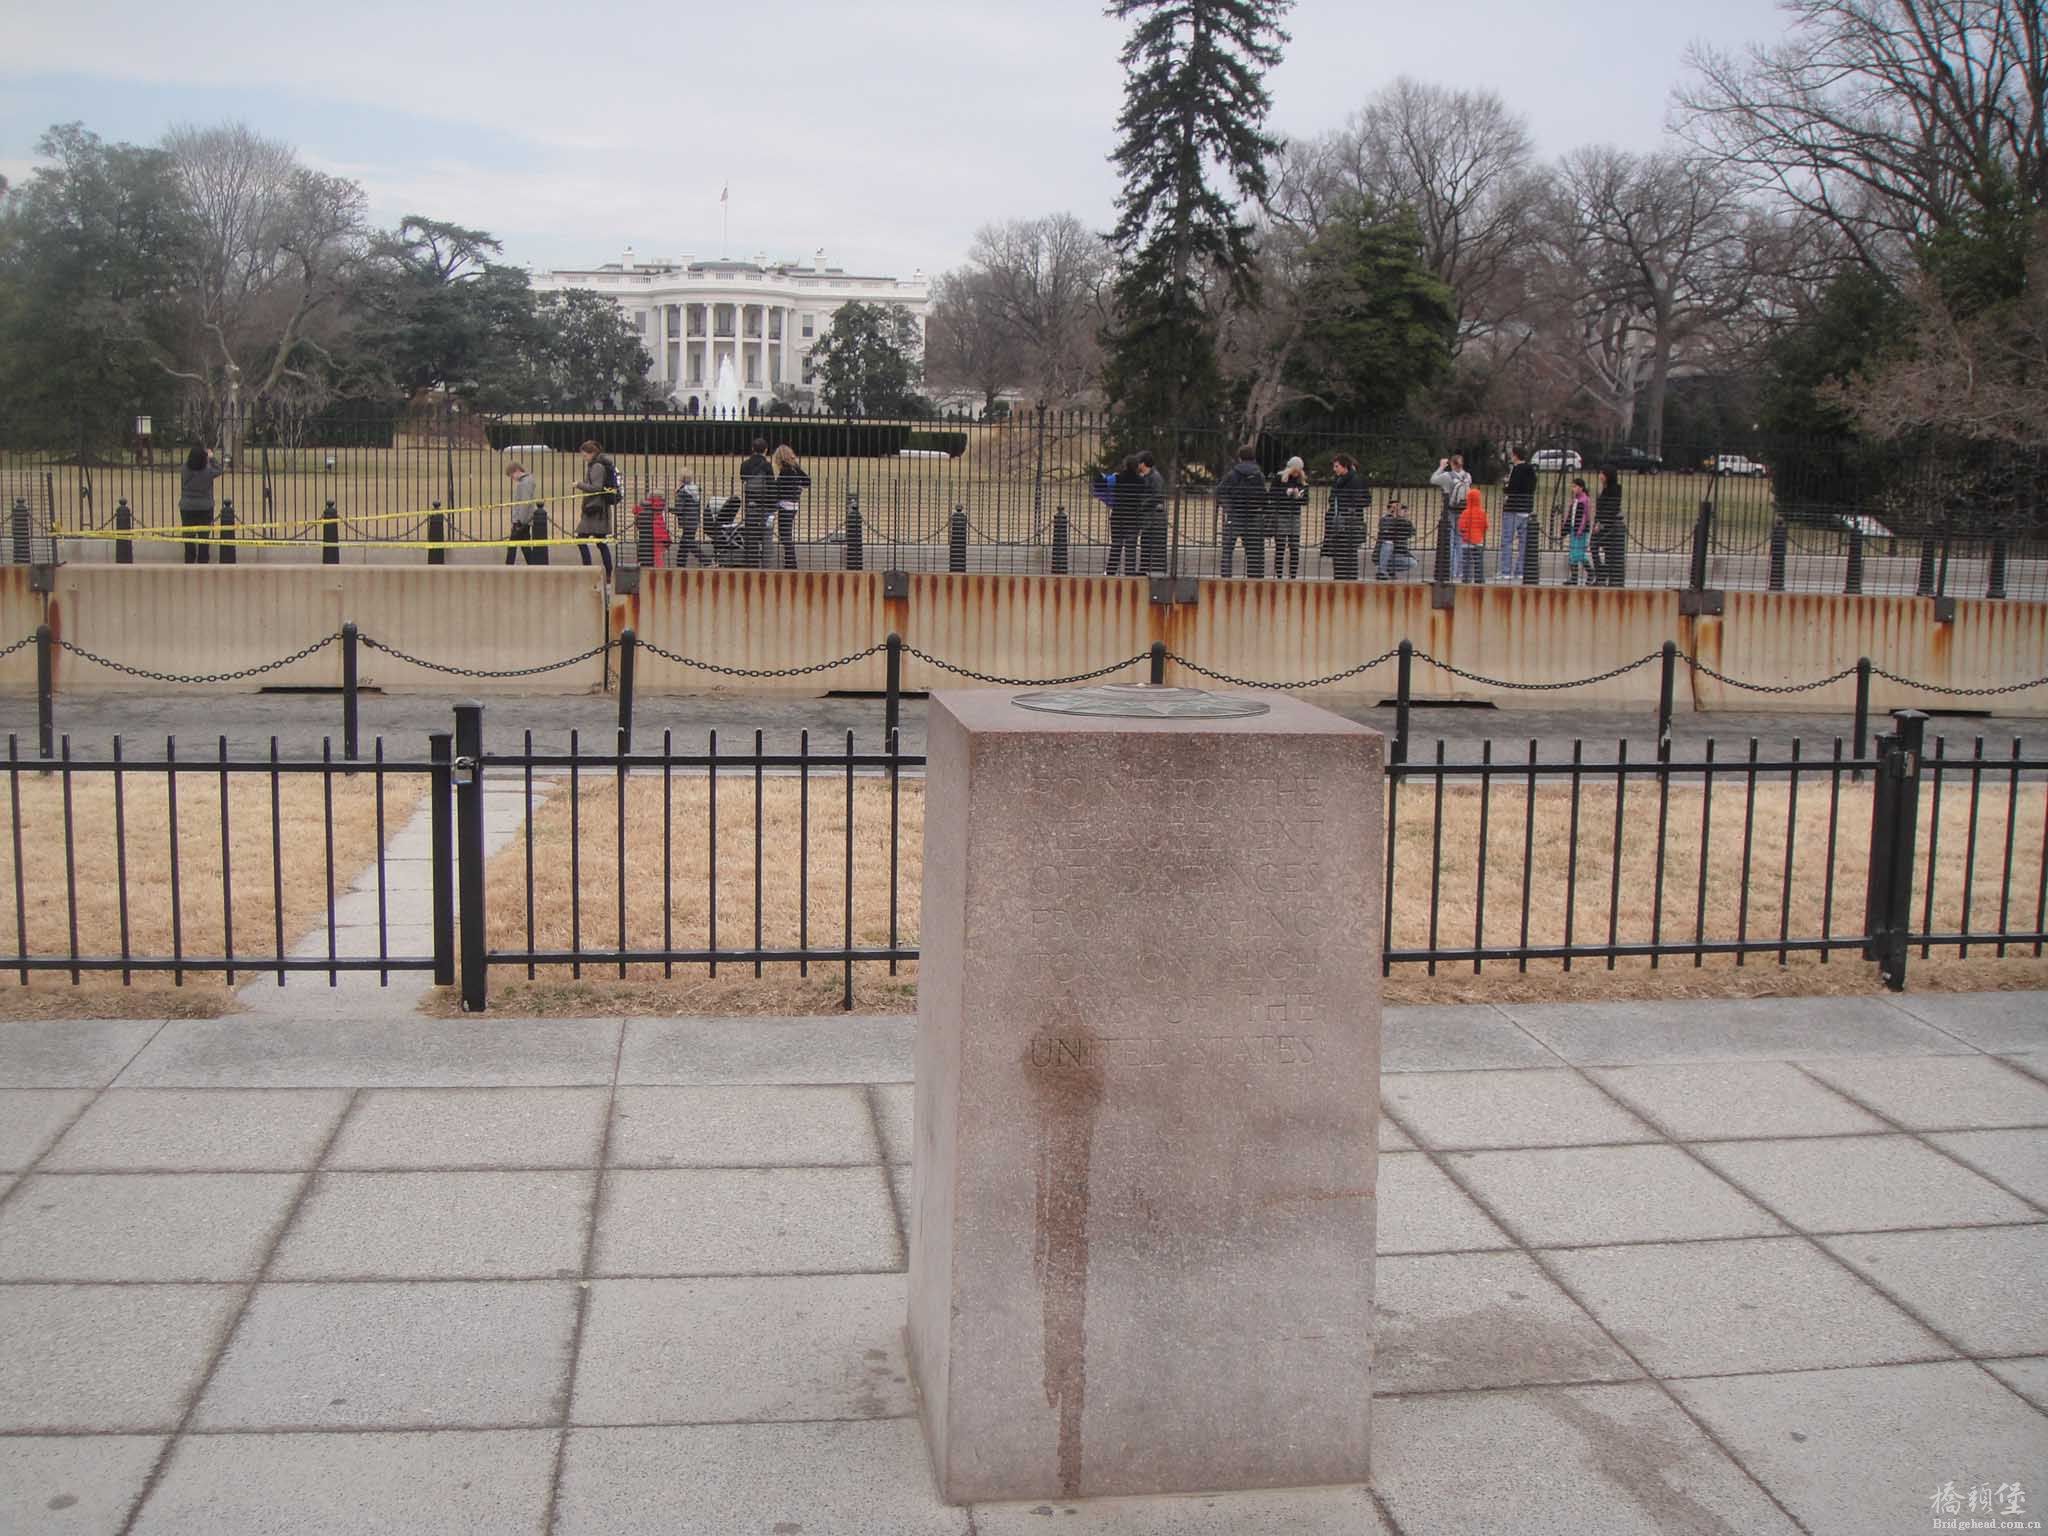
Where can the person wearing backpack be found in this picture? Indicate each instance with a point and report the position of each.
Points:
(1578, 536)
(757, 501)
(1241, 498)
(1455, 482)
(600, 487)
(689, 509)
(529, 518)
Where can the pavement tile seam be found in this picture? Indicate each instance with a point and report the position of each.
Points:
(593, 1218)
(2026, 1069)
(227, 1336)
(873, 1098)
(21, 1177)
(1550, 1272)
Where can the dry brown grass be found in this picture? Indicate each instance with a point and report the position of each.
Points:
(735, 989)
(44, 911)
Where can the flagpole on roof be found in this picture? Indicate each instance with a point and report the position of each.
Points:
(724, 216)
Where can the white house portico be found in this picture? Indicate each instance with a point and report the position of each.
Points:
(763, 316)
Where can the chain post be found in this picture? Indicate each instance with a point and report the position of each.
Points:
(856, 540)
(1903, 766)
(1862, 711)
(1702, 542)
(1852, 583)
(1403, 698)
(956, 540)
(46, 700)
(892, 695)
(1923, 580)
(330, 535)
(21, 530)
(349, 718)
(1532, 549)
(469, 837)
(124, 522)
(441, 801)
(1781, 537)
(1994, 586)
(1062, 543)
(1666, 690)
(437, 536)
(629, 643)
(228, 553)
(1445, 533)
(1158, 678)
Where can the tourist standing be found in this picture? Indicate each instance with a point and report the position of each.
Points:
(1241, 501)
(1518, 508)
(1610, 532)
(1472, 537)
(1397, 533)
(1578, 536)
(529, 518)
(1455, 483)
(1126, 511)
(1290, 496)
(1151, 517)
(689, 517)
(757, 500)
(1344, 530)
(600, 487)
(195, 503)
(790, 484)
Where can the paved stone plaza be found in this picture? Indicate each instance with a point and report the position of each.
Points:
(1745, 1267)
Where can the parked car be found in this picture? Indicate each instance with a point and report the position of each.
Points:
(1734, 464)
(1634, 461)
(1556, 459)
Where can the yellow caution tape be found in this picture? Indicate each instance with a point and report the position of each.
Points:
(321, 520)
(235, 540)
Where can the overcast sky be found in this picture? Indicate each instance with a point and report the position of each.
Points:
(885, 132)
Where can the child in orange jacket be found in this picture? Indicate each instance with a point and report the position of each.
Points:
(1472, 529)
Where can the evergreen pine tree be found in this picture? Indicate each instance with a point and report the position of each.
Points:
(1195, 101)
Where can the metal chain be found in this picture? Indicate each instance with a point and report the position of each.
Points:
(435, 666)
(1967, 693)
(1024, 682)
(1312, 682)
(28, 639)
(1577, 682)
(208, 677)
(1735, 682)
(724, 671)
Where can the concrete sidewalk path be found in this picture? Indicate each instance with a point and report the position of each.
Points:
(1751, 1267)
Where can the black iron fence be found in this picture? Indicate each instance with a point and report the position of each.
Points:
(1023, 494)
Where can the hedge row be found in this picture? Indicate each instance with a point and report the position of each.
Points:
(696, 436)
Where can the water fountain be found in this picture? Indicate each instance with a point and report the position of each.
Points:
(725, 391)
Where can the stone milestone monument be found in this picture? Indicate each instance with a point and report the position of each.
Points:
(1147, 1093)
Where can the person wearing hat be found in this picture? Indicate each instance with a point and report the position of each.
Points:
(1289, 496)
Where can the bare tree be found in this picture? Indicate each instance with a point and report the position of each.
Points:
(970, 342)
(1650, 260)
(276, 241)
(1461, 162)
(1047, 281)
(1890, 120)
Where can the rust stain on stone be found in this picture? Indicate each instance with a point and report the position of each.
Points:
(1067, 1087)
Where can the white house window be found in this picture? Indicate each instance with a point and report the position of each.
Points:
(810, 326)
(775, 325)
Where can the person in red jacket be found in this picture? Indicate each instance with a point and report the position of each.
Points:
(1472, 530)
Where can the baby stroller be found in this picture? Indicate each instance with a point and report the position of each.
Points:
(723, 530)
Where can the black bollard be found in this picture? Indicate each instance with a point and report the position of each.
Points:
(1995, 585)
(1445, 533)
(856, 546)
(1853, 582)
(330, 535)
(1158, 678)
(124, 522)
(1702, 536)
(349, 716)
(1666, 691)
(437, 536)
(227, 532)
(892, 692)
(1062, 543)
(1532, 552)
(956, 541)
(46, 691)
(1780, 538)
(629, 645)
(1923, 583)
(22, 530)
(1403, 696)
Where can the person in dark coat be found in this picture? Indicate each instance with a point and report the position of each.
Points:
(1344, 529)
(757, 503)
(1288, 497)
(790, 484)
(1517, 508)
(1610, 532)
(195, 503)
(1391, 554)
(600, 485)
(689, 510)
(1241, 502)
(1126, 511)
(1151, 517)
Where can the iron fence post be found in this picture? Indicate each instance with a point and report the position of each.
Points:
(1062, 543)
(956, 540)
(1910, 742)
(1532, 550)
(441, 796)
(1405, 674)
(892, 695)
(227, 532)
(1666, 689)
(46, 702)
(1780, 538)
(469, 836)
(437, 535)
(1923, 581)
(1158, 677)
(1877, 881)
(1702, 536)
(1994, 585)
(330, 535)
(1862, 711)
(124, 522)
(1852, 583)
(1444, 535)
(856, 540)
(21, 530)
(629, 644)
(349, 636)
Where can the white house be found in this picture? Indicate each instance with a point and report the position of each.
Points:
(765, 316)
